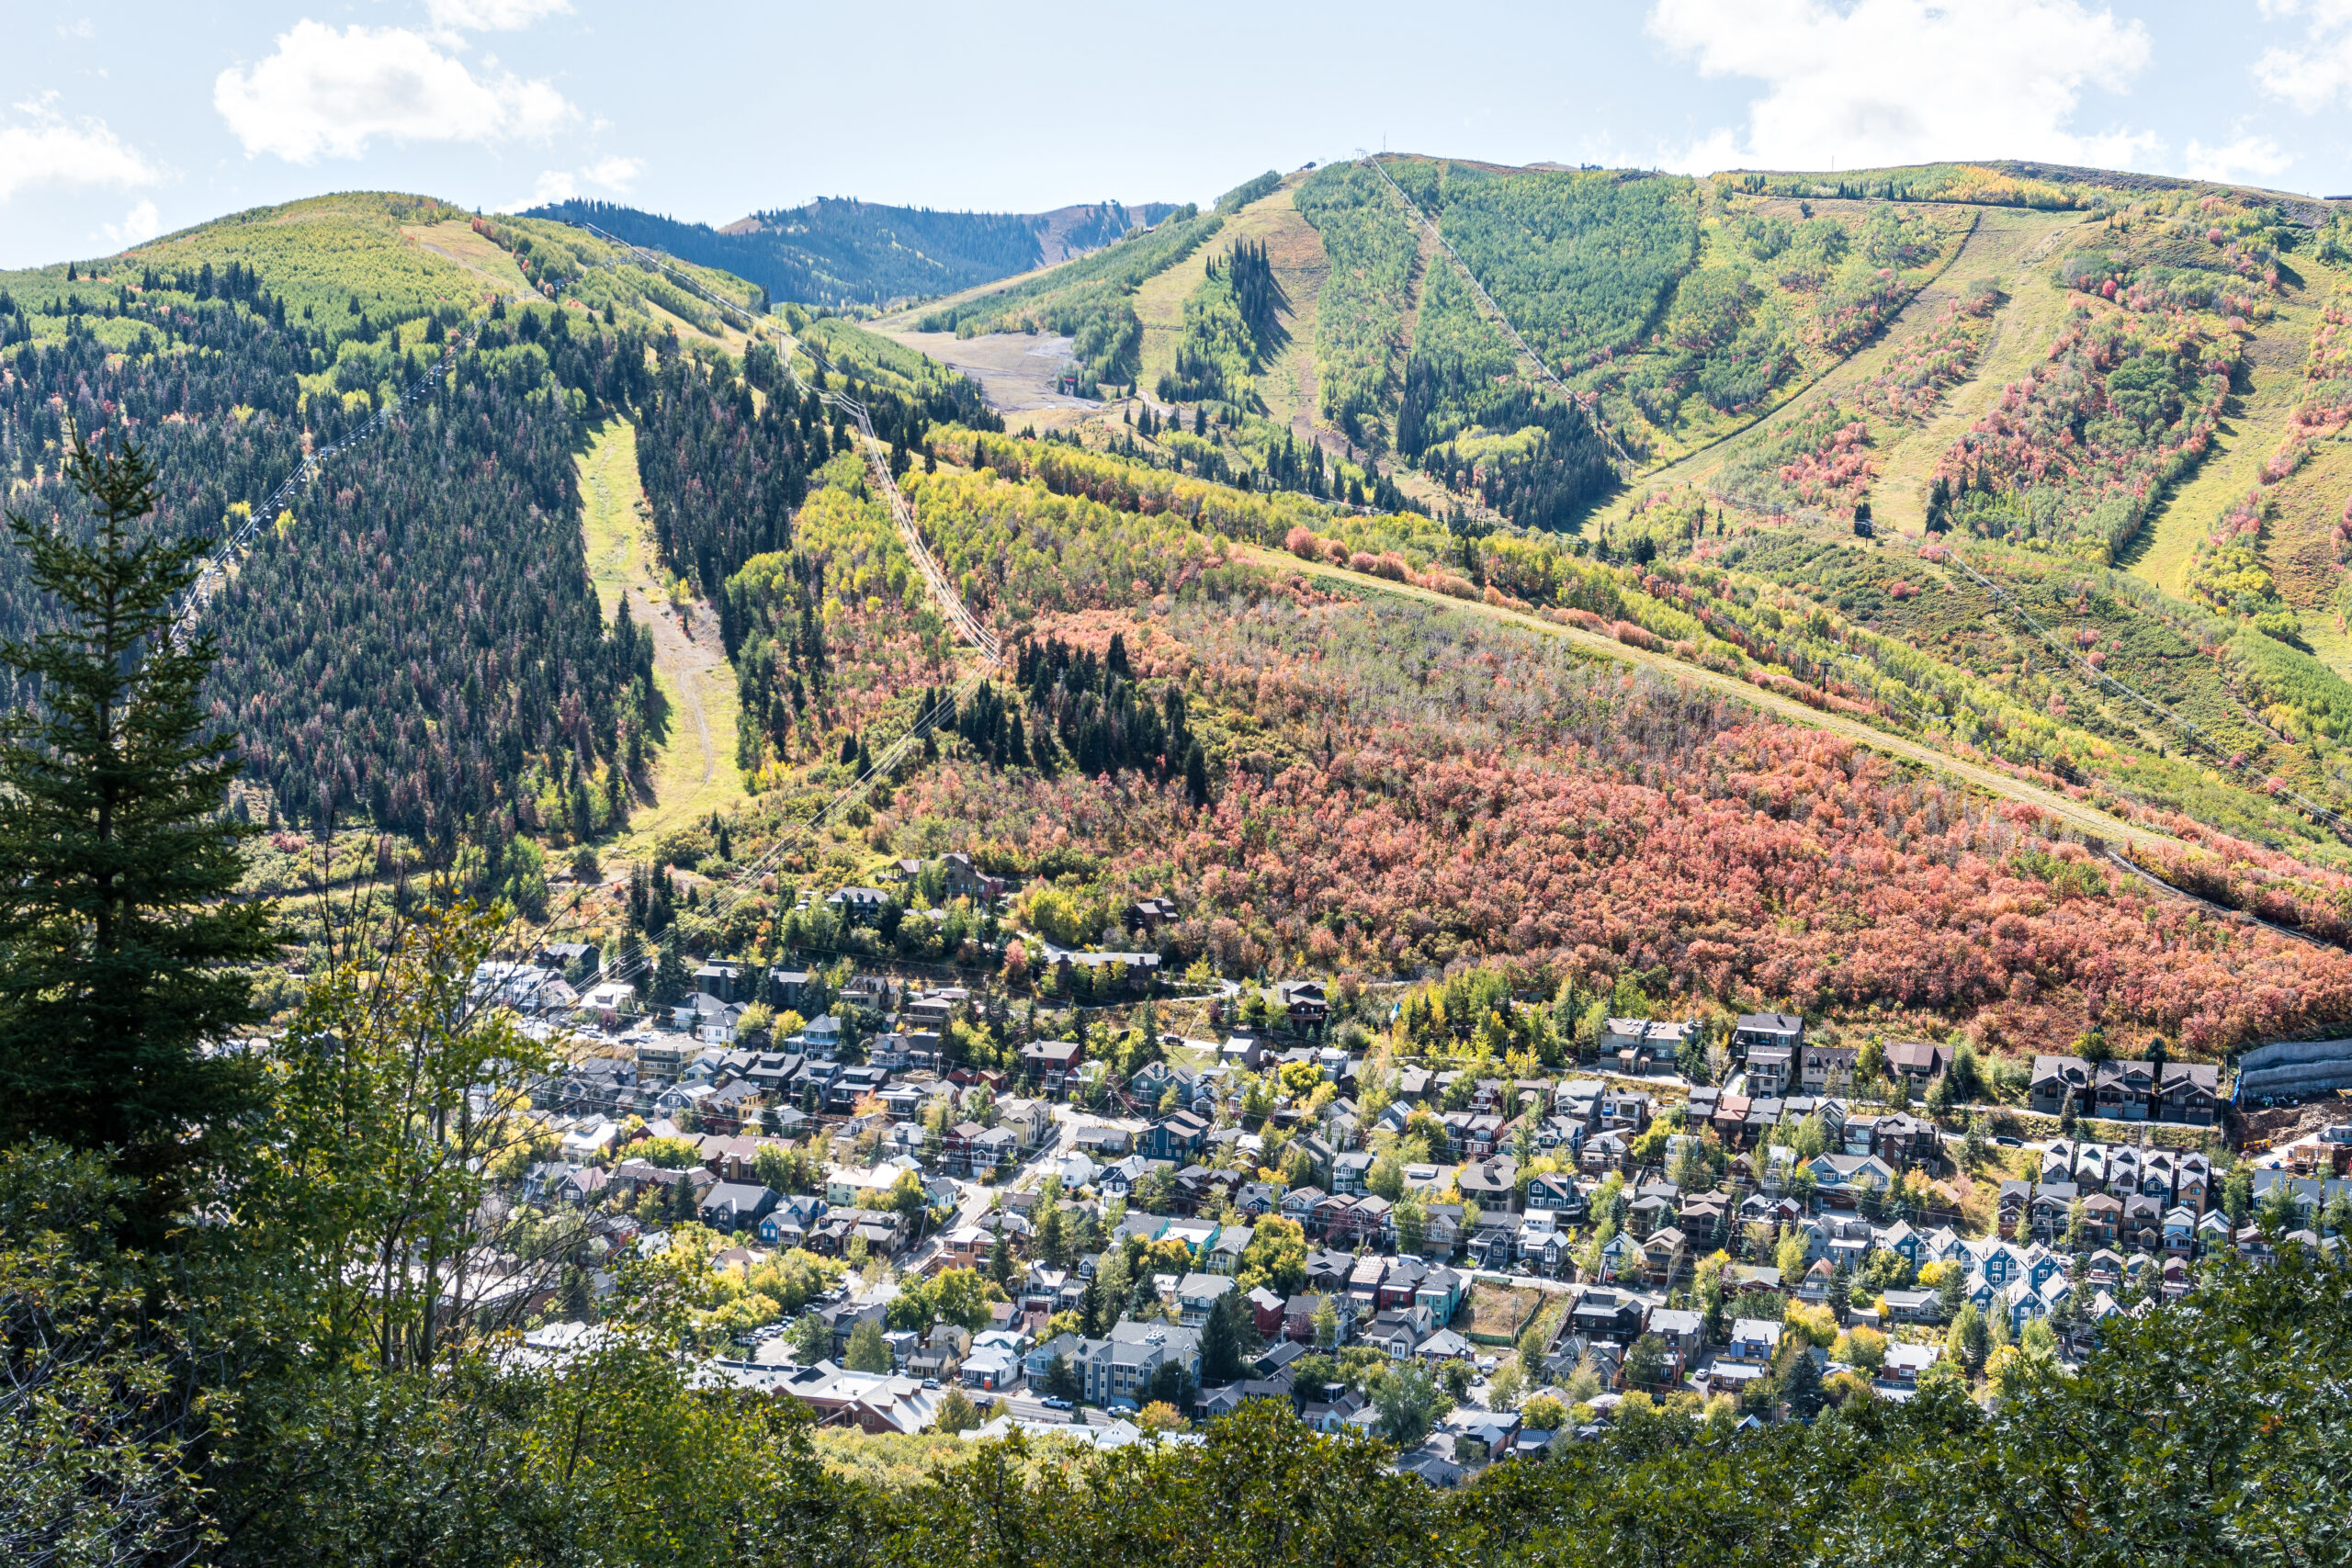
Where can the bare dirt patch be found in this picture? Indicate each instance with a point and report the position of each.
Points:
(1016, 370)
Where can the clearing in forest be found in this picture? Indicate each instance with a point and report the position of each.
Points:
(478, 254)
(2007, 246)
(2254, 422)
(691, 772)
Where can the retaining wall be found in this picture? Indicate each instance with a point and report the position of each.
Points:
(2295, 1066)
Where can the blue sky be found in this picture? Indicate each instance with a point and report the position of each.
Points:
(120, 122)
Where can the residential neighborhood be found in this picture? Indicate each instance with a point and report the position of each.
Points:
(1061, 1245)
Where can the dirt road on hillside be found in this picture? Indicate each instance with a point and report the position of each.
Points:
(1991, 781)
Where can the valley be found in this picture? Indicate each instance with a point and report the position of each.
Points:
(1121, 889)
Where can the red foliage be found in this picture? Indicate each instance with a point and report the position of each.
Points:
(1492, 798)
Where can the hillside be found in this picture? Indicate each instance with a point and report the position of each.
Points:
(836, 253)
(2075, 374)
(415, 643)
(678, 818)
(1303, 354)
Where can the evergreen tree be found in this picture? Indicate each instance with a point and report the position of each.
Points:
(669, 977)
(1000, 1259)
(1801, 1390)
(1090, 1308)
(574, 1303)
(116, 857)
(1221, 1340)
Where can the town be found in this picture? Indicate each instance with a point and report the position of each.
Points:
(1123, 1232)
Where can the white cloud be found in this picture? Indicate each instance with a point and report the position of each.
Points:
(1904, 81)
(2319, 71)
(82, 28)
(613, 174)
(330, 92)
(43, 148)
(554, 185)
(491, 16)
(142, 222)
(562, 184)
(2243, 157)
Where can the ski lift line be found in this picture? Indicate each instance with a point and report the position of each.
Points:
(214, 573)
(848, 795)
(2103, 680)
(935, 576)
(1541, 366)
(653, 261)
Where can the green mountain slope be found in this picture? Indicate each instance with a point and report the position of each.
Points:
(837, 254)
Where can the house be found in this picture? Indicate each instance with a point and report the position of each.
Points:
(1441, 1291)
(1769, 1069)
(1197, 1293)
(1626, 1111)
(1754, 1029)
(1304, 1002)
(1540, 1243)
(1223, 1255)
(1906, 1361)
(1176, 1138)
(1124, 1365)
(1920, 1061)
(1640, 1046)
(1147, 915)
(1754, 1340)
(1616, 1315)
(1555, 1193)
(731, 1206)
(1395, 1333)
(1620, 1257)
(989, 1367)
(526, 987)
(1663, 1255)
(1769, 1043)
(1684, 1335)
(1483, 1437)
(1902, 1140)
(1492, 1184)
(1051, 1062)
(1099, 1139)
(1844, 1180)
(858, 905)
(1828, 1070)
(1910, 1307)
(2128, 1091)
(1605, 1151)
(990, 1150)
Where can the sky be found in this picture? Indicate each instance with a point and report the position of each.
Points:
(121, 122)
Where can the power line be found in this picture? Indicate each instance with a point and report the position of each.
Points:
(1608, 436)
(2100, 678)
(214, 573)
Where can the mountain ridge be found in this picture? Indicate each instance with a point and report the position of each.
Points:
(842, 253)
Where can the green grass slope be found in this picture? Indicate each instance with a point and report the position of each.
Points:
(360, 263)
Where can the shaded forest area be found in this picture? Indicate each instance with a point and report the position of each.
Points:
(417, 639)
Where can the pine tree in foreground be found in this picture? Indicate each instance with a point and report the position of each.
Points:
(119, 944)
